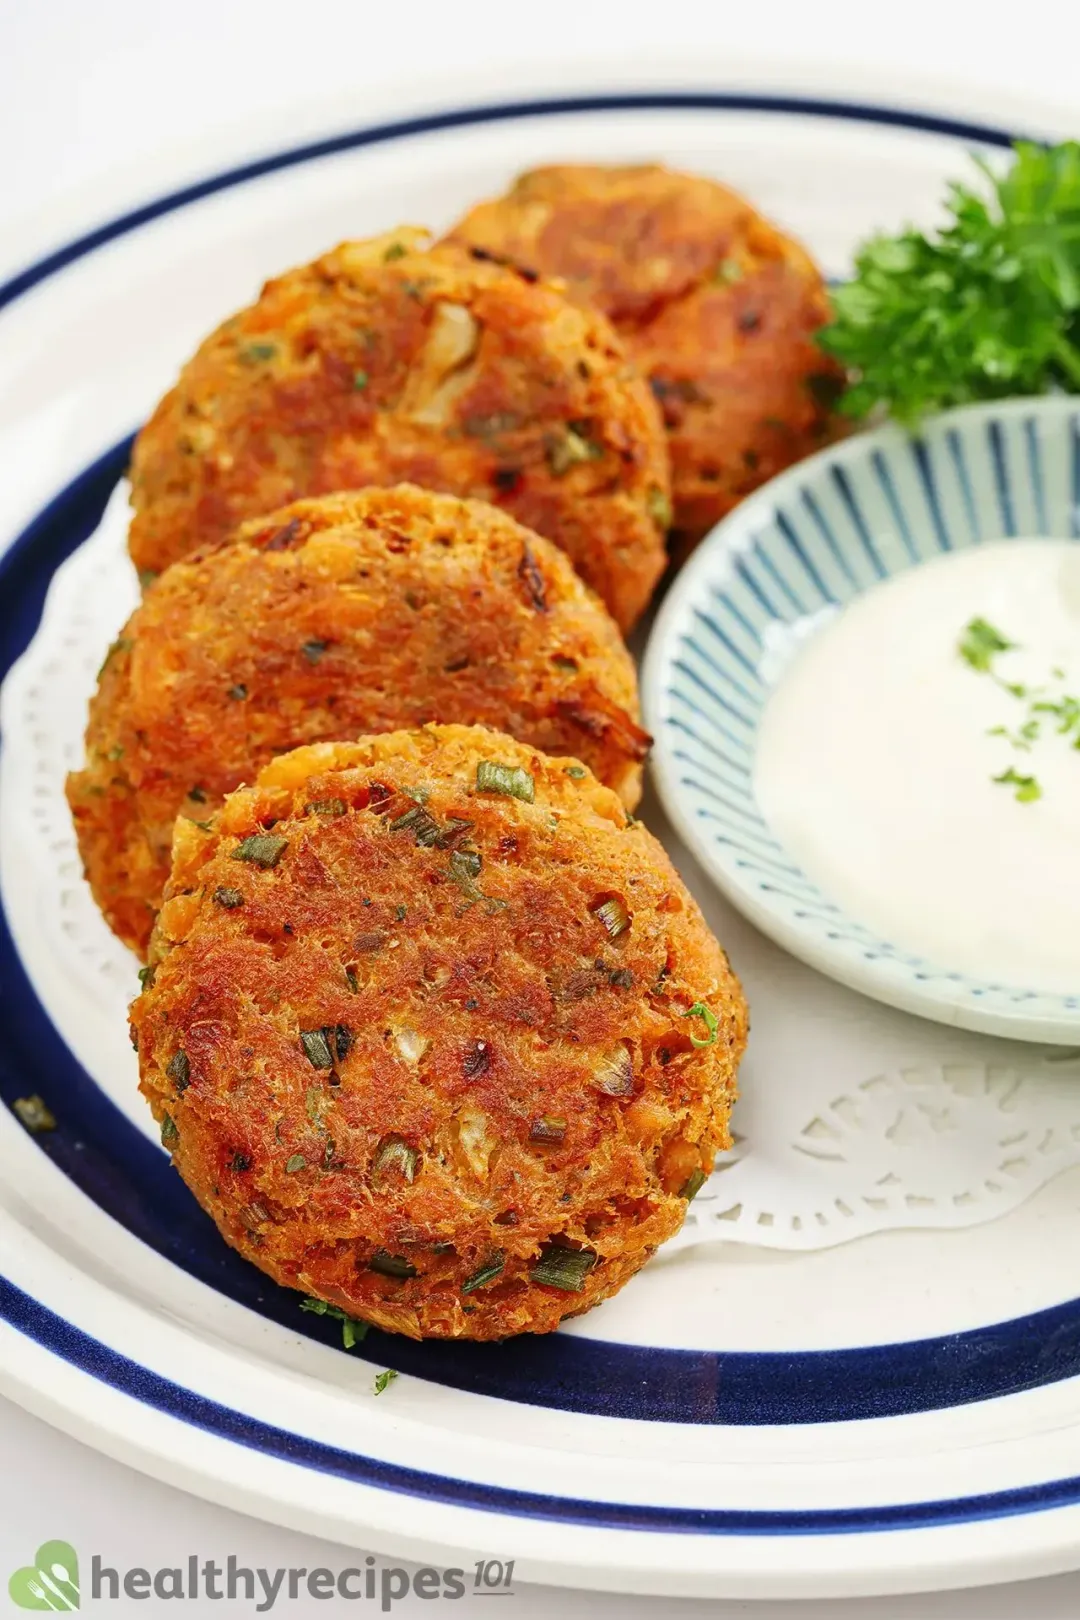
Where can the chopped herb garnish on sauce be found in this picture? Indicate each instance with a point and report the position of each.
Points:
(577, 772)
(708, 1018)
(383, 1380)
(169, 1132)
(314, 649)
(359, 380)
(261, 849)
(295, 1163)
(511, 780)
(228, 898)
(1027, 788)
(979, 643)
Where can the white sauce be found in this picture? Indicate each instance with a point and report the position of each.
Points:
(875, 765)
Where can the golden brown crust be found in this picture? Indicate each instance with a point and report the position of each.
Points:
(384, 363)
(418, 1039)
(329, 619)
(717, 306)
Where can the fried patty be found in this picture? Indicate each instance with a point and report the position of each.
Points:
(717, 306)
(435, 1033)
(384, 363)
(332, 618)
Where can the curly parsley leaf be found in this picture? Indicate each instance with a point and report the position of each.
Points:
(987, 306)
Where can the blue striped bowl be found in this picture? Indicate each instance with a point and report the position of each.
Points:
(808, 542)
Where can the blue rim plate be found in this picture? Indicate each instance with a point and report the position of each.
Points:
(810, 541)
(124, 1318)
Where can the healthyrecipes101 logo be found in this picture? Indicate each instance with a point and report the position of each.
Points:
(51, 1582)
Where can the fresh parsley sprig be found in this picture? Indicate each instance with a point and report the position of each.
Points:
(987, 306)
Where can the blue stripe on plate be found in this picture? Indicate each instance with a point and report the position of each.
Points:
(715, 776)
(745, 813)
(708, 743)
(925, 468)
(728, 646)
(828, 534)
(740, 838)
(130, 1179)
(730, 606)
(224, 1422)
(1035, 473)
(1002, 482)
(899, 516)
(493, 113)
(858, 519)
(963, 478)
(753, 585)
(798, 550)
(781, 581)
(710, 691)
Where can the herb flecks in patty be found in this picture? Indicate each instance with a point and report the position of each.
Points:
(261, 849)
(512, 780)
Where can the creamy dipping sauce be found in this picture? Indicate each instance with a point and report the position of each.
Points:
(879, 749)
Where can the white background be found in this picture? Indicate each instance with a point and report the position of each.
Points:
(104, 102)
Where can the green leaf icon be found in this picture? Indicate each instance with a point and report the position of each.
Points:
(51, 1582)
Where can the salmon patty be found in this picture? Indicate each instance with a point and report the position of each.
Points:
(435, 1033)
(385, 362)
(717, 306)
(330, 619)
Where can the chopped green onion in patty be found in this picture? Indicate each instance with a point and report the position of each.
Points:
(261, 849)
(511, 780)
(708, 1018)
(563, 1268)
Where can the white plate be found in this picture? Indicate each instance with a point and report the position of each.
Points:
(899, 1412)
